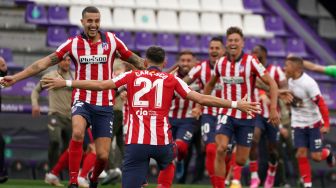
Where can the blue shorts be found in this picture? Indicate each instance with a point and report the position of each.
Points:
(136, 162)
(183, 129)
(99, 117)
(209, 123)
(241, 129)
(271, 132)
(308, 138)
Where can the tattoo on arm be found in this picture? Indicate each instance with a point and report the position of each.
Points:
(137, 61)
(53, 59)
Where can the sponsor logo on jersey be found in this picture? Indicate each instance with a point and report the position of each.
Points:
(93, 59)
(142, 112)
(233, 79)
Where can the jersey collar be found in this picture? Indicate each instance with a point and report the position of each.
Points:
(102, 36)
(154, 68)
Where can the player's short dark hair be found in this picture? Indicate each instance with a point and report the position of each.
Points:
(156, 54)
(232, 30)
(90, 9)
(263, 48)
(217, 39)
(185, 52)
(296, 60)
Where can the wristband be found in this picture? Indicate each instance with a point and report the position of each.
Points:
(68, 83)
(234, 104)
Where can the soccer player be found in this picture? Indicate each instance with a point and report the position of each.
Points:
(306, 121)
(93, 53)
(202, 72)
(262, 125)
(238, 71)
(329, 70)
(150, 94)
(180, 116)
(59, 115)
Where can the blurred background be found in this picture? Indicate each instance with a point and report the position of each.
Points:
(33, 29)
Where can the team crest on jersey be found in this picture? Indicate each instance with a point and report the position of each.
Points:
(105, 46)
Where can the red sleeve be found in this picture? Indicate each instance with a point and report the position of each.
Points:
(182, 88)
(122, 79)
(257, 67)
(318, 99)
(64, 49)
(124, 52)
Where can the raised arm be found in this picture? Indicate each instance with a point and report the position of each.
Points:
(313, 67)
(37, 67)
(97, 85)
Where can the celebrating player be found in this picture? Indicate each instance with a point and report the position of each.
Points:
(93, 53)
(150, 93)
(238, 71)
(306, 120)
(202, 73)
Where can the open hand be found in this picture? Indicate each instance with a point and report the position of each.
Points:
(249, 107)
(52, 83)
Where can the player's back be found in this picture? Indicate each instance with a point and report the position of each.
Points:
(150, 94)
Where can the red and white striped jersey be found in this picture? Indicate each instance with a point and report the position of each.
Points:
(149, 95)
(181, 108)
(278, 75)
(239, 80)
(203, 72)
(93, 61)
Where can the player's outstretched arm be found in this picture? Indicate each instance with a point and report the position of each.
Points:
(208, 100)
(38, 66)
(274, 116)
(97, 85)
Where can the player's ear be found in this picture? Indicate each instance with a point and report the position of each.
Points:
(164, 64)
(145, 63)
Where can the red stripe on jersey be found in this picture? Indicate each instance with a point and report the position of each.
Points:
(149, 97)
(278, 75)
(239, 80)
(203, 73)
(93, 61)
(182, 108)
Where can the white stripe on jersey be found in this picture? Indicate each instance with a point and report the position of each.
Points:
(153, 137)
(181, 103)
(281, 74)
(141, 130)
(228, 91)
(238, 89)
(248, 83)
(165, 130)
(130, 129)
(63, 45)
(113, 46)
(183, 84)
(87, 70)
(259, 67)
(75, 55)
(100, 51)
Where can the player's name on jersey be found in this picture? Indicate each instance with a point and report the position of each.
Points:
(233, 79)
(93, 59)
(151, 73)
